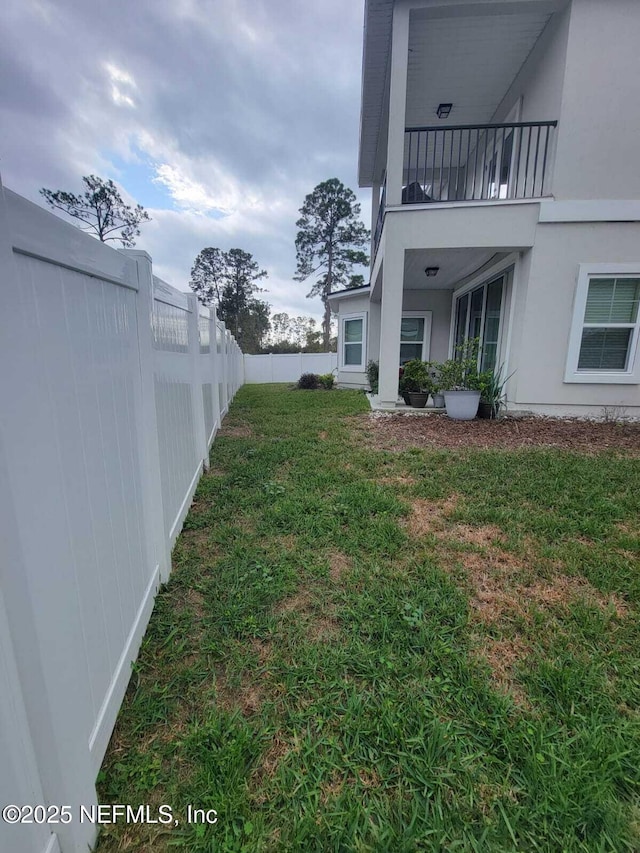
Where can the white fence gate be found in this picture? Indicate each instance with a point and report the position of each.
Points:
(112, 387)
(278, 367)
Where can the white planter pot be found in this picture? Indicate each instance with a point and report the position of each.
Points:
(462, 405)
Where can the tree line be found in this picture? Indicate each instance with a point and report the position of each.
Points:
(330, 241)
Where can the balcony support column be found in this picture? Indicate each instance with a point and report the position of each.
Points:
(390, 322)
(397, 103)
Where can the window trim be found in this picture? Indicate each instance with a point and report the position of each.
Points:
(353, 368)
(631, 376)
(427, 316)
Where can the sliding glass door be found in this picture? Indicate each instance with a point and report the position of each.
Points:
(478, 315)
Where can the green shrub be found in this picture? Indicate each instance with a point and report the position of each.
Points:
(327, 381)
(416, 377)
(373, 371)
(309, 381)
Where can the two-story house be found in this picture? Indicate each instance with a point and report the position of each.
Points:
(501, 140)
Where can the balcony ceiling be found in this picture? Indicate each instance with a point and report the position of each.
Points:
(464, 54)
(454, 266)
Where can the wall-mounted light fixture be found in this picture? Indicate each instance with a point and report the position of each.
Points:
(443, 110)
(431, 271)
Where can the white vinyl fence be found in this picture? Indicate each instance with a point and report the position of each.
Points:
(277, 367)
(112, 387)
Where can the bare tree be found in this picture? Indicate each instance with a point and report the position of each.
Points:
(101, 209)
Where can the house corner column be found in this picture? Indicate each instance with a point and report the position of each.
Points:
(397, 104)
(390, 323)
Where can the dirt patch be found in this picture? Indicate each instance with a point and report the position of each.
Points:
(323, 435)
(236, 429)
(339, 564)
(428, 516)
(398, 432)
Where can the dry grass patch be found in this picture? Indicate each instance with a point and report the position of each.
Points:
(200, 539)
(272, 758)
(235, 429)
(339, 564)
(503, 655)
(318, 620)
(246, 697)
(428, 516)
(484, 537)
(397, 480)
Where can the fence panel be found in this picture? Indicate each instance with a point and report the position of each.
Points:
(279, 367)
(111, 392)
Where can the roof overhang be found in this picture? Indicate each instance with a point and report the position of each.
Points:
(349, 292)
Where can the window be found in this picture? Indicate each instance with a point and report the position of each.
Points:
(415, 336)
(604, 334)
(477, 315)
(353, 342)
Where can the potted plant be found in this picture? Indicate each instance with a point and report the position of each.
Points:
(416, 382)
(404, 386)
(436, 393)
(492, 393)
(459, 381)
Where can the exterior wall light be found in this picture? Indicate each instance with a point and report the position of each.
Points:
(431, 271)
(443, 110)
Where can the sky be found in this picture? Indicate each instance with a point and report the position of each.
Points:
(218, 116)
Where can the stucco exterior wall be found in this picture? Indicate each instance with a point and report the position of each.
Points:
(547, 280)
(439, 303)
(597, 147)
(540, 80)
(356, 304)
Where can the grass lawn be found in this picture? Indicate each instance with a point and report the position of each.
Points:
(366, 649)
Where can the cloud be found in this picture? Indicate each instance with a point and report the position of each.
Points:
(219, 116)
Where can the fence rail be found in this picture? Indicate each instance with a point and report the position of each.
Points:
(113, 384)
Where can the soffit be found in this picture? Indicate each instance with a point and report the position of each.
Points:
(454, 265)
(469, 62)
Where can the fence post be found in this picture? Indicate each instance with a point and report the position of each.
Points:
(223, 369)
(156, 536)
(215, 368)
(197, 403)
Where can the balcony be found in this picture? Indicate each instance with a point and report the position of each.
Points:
(485, 162)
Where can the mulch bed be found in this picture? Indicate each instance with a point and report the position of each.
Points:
(397, 432)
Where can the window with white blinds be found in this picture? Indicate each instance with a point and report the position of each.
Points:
(604, 336)
(609, 322)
